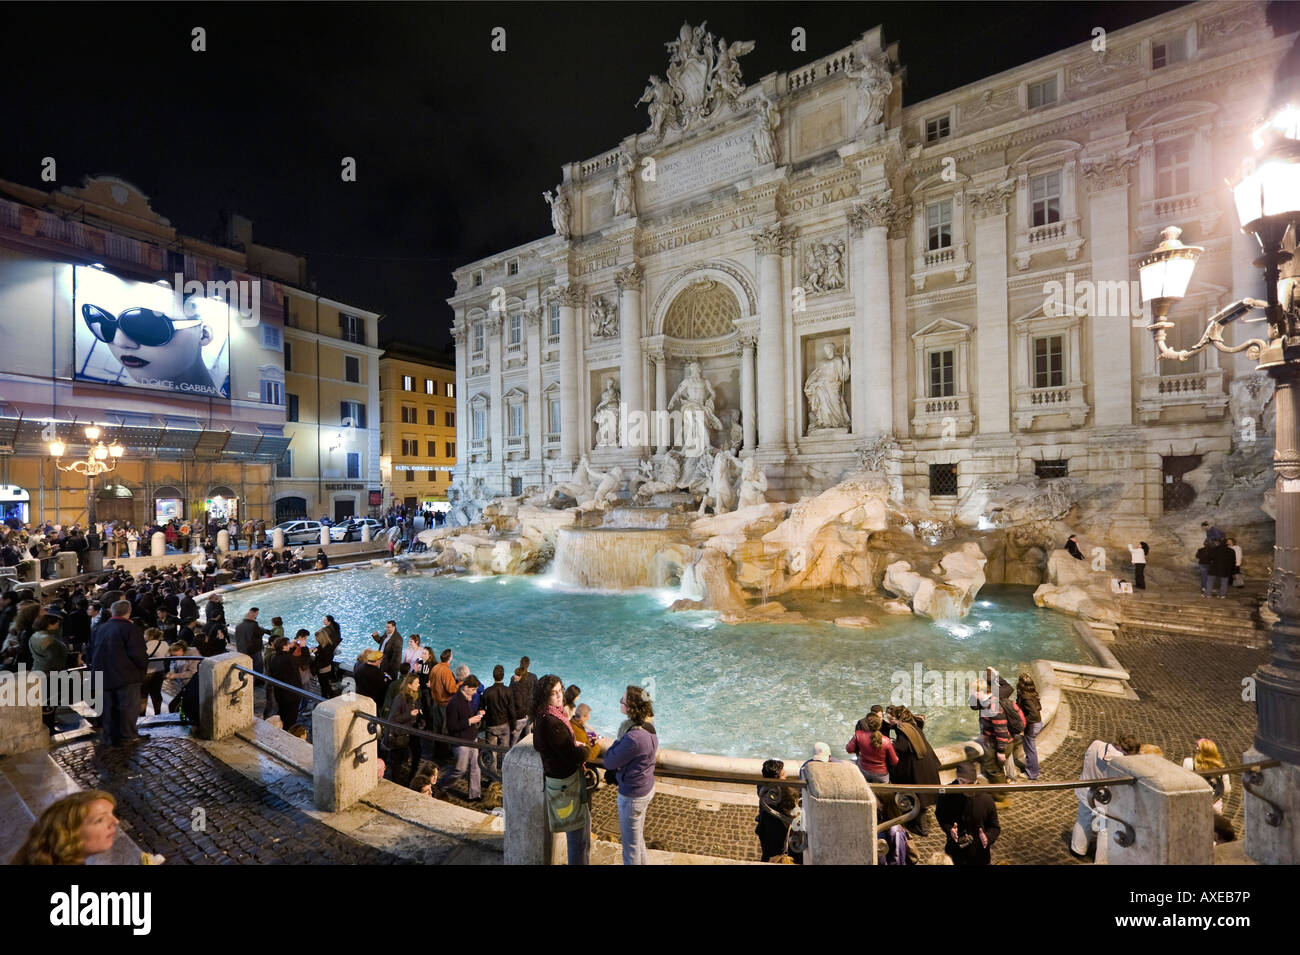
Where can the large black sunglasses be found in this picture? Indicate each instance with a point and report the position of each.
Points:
(142, 325)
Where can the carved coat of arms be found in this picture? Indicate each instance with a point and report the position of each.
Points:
(702, 78)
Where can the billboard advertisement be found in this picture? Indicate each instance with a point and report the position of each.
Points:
(143, 335)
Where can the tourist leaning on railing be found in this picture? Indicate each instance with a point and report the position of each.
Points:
(632, 758)
(567, 808)
(1095, 762)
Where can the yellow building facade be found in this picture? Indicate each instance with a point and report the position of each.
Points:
(331, 374)
(417, 409)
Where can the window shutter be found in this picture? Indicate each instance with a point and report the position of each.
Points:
(361, 415)
(343, 411)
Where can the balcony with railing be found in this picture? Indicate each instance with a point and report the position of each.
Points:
(1032, 405)
(517, 444)
(946, 416)
(929, 263)
(823, 69)
(1200, 394)
(1050, 237)
(551, 439)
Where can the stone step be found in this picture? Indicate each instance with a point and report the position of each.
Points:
(30, 783)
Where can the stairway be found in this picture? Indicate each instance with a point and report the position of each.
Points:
(29, 783)
(1182, 609)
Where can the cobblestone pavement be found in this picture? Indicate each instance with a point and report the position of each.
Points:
(160, 783)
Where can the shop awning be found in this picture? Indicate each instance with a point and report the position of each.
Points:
(28, 437)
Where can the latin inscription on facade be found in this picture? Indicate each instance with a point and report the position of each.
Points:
(709, 230)
(697, 169)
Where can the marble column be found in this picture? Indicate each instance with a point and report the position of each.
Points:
(899, 224)
(459, 332)
(871, 379)
(748, 399)
(992, 342)
(1110, 336)
(631, 364)
(773, 242)
(533, 338)
(570, 421)
(496, 404)
(662, 432)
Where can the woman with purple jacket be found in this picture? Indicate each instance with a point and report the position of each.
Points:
(632, 758)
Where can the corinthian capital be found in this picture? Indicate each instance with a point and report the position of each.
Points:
(872, 213)
(570, 296)
(991, 201)
(533, 316)
(1109, 172)
(775, 239)
(459, 334)
(901, 220)
(629, 279)
(493, 321)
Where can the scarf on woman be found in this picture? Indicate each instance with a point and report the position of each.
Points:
(559, 713)
(919, 744)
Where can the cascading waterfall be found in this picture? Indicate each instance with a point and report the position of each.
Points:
(614, 558)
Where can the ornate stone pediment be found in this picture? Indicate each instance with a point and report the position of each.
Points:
(701, 80)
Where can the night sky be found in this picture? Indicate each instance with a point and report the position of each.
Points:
(454, 143)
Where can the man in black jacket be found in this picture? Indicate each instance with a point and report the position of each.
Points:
(248, 638)
(390, 644)
(499, 717)
(970, 820)
(463, 722)
(118, 653)
(1222, 564)
(188, 608)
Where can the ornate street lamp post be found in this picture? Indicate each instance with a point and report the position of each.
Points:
(100, 459)
(1268, 204)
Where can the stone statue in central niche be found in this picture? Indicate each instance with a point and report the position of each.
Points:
(696, 397)
(825, 392)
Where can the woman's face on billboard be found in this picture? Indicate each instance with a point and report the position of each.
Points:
(147, 363)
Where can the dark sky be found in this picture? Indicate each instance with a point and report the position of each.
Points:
(454, 143)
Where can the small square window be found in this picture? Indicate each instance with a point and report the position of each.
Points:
(1052, 469)
(1166, 52)
(431, 417)
(450, 418)
(943, 480)
(1042, 93)
(478, 279)
(270, 337)
(512, 267)
(936, 129)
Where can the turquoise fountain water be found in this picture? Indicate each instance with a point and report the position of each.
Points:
(751, 690)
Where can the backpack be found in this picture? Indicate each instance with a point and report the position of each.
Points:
(1015, 717)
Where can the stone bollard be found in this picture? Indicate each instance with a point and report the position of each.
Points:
(158, 545)
(223, 541)
(65, 564)
(277, 539)
(365, 532)
(225, 700)
(528, 836)
(1168, 806)
(1273, 845)
(345, 754)
(29, 570)
(21, 728)
(94, 561)
(324, 535)
(839, 812)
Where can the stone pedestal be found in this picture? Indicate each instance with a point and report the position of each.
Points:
(29, 570)
(65, 564)
(324, 535)
(225, 699)
(345, 754)
(1273, 845)
(528, 837)
(840, 815)
(365, 533)
(21, 728)
(158, 545)
(277, 539)
(223, 541)
(1170, 810)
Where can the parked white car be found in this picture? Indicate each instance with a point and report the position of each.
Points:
(350, 530)
(301, 532)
